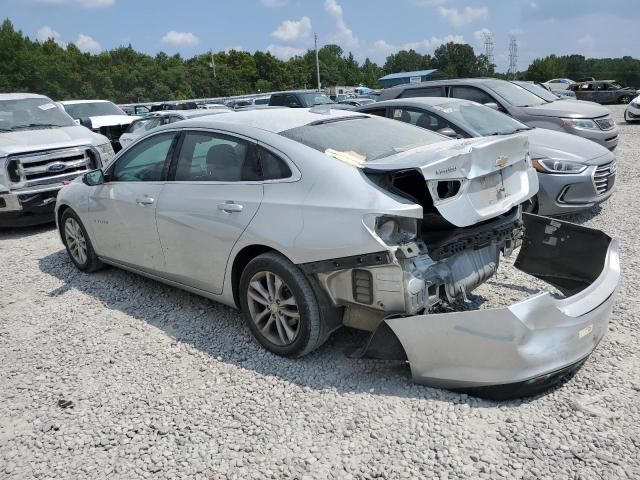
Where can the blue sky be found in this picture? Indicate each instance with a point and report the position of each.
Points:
(368, 28)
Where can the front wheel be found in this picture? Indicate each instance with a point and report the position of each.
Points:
(78, 243)
(625, 99)
(279, 306)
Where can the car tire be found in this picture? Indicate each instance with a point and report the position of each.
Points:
(624, 99)
(277, 299)
(78, 244)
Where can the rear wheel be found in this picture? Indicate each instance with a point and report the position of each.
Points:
(625, 99)
(280, 306)
(78, 243)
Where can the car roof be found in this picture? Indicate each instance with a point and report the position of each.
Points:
(74, 102)
(200, 112)
(297, 91)
(275, 121)
(20, 96)
(415, 102)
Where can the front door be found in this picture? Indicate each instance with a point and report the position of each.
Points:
(214, 192)
(122, 211)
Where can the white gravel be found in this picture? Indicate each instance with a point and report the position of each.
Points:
(165, 384)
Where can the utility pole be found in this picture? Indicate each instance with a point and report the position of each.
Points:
(315, 37)
(213, 64)
(513, 56)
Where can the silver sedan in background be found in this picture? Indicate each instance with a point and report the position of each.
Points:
(310, 219)
(574, 173)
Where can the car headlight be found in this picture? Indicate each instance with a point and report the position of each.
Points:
(547, 165)
(636, 102)
(106, 152)
(580, 123)
(392, 230)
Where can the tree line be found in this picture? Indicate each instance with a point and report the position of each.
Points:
(124, 75)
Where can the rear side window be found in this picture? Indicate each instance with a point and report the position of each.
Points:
(277, 100)
(378, 112)
(422, 92)
(272, 167)
(212, 157)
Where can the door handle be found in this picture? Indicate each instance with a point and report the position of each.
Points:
(230, 207)
(145, 200)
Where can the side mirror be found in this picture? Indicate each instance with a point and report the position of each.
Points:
(449, 132)
(492, 105)
(93, 178)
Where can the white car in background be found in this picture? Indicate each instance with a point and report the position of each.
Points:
(165, 117)
(632, 112)
(101, 116)
(559, 83)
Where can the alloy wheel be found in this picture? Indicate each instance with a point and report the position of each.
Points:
(75, 240)
(273, 308)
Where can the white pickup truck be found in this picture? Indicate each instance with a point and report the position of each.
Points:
(41, 149)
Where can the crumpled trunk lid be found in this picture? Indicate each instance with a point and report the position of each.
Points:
(494, 175)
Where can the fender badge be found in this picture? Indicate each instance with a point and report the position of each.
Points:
(502, 161)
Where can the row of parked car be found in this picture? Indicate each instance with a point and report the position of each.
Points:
(426, 186)
(592, 90)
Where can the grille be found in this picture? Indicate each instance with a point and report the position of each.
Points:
(605, 123)
(604, 177)
(53, 166)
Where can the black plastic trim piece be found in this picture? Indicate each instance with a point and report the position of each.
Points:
(344, 263)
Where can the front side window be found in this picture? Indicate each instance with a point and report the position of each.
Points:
(145, 161)
(422, 119)
(212, 157)
(312, 99)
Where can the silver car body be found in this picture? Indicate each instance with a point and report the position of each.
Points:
(43, 160)
(559, 193)
(192, 234)
(585, 119)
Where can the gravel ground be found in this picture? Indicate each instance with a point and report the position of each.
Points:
(111, 375)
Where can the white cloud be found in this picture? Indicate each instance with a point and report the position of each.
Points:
(284, 52)
(180, 39)
(45, 33)
(274, 3)
(382, 48)
(344, 35)
(79, 3)
(237, 48)
(293, 30)
(478, 35)
(429, 3)
(587, 42)
(458, 18)
(87, 44)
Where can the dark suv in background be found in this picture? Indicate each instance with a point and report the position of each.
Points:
(299, 99)
(585, 119)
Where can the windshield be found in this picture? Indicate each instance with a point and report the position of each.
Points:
(538, 90)
(483, 120)
(93, 109)
(515, 95)
(362, 139)
(312, 99)
(25, 113)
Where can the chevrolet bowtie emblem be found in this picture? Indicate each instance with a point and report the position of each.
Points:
(502, 161)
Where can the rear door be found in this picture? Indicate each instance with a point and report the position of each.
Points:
(122, 212)
(213, 193)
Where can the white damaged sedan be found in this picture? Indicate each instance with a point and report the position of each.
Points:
(308, 220)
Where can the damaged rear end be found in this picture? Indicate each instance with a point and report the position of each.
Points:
(525, 348)
(470, 193)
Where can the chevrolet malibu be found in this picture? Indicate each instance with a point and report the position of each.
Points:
(310, 219)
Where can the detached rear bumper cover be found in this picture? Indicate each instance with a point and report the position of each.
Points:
(530, 340)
